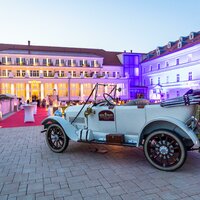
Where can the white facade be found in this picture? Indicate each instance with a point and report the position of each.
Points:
(173, 74)
(37, 73)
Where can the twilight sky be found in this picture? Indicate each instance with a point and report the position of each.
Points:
(116, 25)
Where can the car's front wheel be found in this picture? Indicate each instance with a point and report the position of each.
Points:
(56, 138)
(164, 150)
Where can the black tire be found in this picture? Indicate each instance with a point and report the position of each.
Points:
(164, 150)
(56, 138)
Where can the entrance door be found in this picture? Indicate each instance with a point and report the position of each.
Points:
(35, 91)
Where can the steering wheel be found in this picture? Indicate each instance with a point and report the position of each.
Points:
(109, 99)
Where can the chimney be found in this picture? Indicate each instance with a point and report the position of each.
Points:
(29, 44)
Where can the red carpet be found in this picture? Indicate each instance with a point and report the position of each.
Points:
(17, 119)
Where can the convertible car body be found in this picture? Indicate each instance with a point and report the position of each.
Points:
(166, 133)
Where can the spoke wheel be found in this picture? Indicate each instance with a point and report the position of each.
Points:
(56, 138)
(164, 150)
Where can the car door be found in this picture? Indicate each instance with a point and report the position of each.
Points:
(102, 119)
(129, 119)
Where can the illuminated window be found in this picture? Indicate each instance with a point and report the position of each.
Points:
(17, 61)
(3, 72)
(45, 73)
(177, 61)
(3, 60)
(48, 89)
(6, 88)
(34, 73)
(189, 76)
(167, 95)
(62, 89)
(31, 61)
(57, 62)
(87, 88)
(75, 89)
(178, 78)
(23, 73)
(81, 62)
(37, 61)
(158, 80)
(167, 79)
(62, 74)
(20, 89)
(50, 74)
(151, 81)
(44, 62)
(18, 73)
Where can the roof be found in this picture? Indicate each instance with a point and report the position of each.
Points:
(186, 42)
(110, 58)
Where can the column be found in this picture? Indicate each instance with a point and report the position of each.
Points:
(81, 93)
(27, 91)
(42, 91)
(56, 87)
(12, 89)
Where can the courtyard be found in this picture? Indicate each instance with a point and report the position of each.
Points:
(30, 170)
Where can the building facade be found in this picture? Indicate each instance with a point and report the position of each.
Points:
(173, 69)
(34, 72)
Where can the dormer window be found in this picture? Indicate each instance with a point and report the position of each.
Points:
(181, 39)
(191, 36)
(179, 44)
(169, 45)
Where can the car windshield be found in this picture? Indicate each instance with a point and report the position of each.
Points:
(100, 89)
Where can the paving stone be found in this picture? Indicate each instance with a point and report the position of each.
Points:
(77, 185)
(27, 197)
(114, 191)
(62, 193)
(35, 188)
(51, 187)
(88, 192)
(99, 197)
(10, 188)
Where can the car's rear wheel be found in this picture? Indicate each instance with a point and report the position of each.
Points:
(164, 150)
(56, 138)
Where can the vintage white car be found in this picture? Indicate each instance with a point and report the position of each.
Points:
(166, 131)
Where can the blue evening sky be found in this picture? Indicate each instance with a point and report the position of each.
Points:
(116, 25)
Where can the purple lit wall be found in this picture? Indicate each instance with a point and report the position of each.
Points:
(132, 70)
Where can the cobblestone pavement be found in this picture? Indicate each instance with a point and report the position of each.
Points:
(29, 170)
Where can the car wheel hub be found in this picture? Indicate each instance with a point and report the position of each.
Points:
(55, 137)
(163, 150)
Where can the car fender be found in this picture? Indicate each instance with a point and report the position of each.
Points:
(68, 128)
(172, 124)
